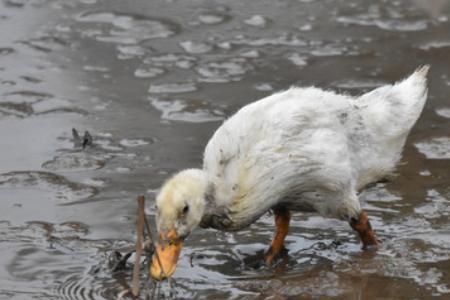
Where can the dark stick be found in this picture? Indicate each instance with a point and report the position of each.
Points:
(139, 233)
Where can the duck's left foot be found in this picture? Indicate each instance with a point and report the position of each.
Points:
(365, 231)
(282, 218)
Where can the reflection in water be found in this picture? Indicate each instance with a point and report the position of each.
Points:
(132, 73)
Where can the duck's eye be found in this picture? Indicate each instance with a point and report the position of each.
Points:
(185, 209)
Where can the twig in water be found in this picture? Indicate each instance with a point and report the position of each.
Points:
(137, 260)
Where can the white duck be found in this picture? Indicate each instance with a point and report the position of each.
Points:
(303, 149)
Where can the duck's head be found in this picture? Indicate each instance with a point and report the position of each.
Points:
(179, 209)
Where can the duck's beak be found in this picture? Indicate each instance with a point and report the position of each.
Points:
(164, 261)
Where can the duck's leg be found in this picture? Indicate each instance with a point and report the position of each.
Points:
(282, 218)
(362, 225)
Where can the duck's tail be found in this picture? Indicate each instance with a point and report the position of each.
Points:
(394, 109)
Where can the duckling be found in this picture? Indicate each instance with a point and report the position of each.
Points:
(303, 149)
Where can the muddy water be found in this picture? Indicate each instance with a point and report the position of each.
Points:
(150, 81)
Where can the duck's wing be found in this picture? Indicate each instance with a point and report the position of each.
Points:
(286, 144)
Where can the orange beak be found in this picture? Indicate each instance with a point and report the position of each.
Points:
(164, 261)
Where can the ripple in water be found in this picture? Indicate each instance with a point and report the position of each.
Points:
(213, 18)
(148, 72)
(257, 21)
(171, 60)
(385, 24)
(186, 111)
(62, 190)
(169, 88)
(435, 45)
(129, 28)
(195, 47)
(225, 71)
(284, 39)
(81, 161)
(135, 142)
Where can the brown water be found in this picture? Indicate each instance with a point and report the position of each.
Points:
(151, 81)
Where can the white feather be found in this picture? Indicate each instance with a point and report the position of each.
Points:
(311, 148)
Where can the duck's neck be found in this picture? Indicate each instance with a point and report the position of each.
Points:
(216, 196)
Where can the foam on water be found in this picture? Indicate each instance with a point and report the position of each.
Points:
(225, 71)
(298, 59)
(186, 111)
(128, 28)
(435, 148)
(443, 112)
(212, 18)
(169, 88)
(134, 142)
(148, 72)
(257, 21)
(435, 45)
(195, 47)
(385, 24)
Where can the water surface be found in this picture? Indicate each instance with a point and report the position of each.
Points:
(151, 81)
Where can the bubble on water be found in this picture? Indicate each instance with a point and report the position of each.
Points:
(224, 71)
(283, 39)
(437, 206)
(186, 111)
(135, 142)
(436, 148)
(298, 59)
(99, 69)
(129, 28)
(130, 51)
(263, 87)
(212, 18)
(169, 88)
(171, 60)
(425, 173)
(108, 145)
(195, 47)
(385, 24)
(250, 54)
(148, 72)
(224, 45)
(328, 50)
(257, 21)
(81, 161)
(443, 112)
(122, 170)
(95, 182)
(63, 190)
(306, 27)
(435, 45)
